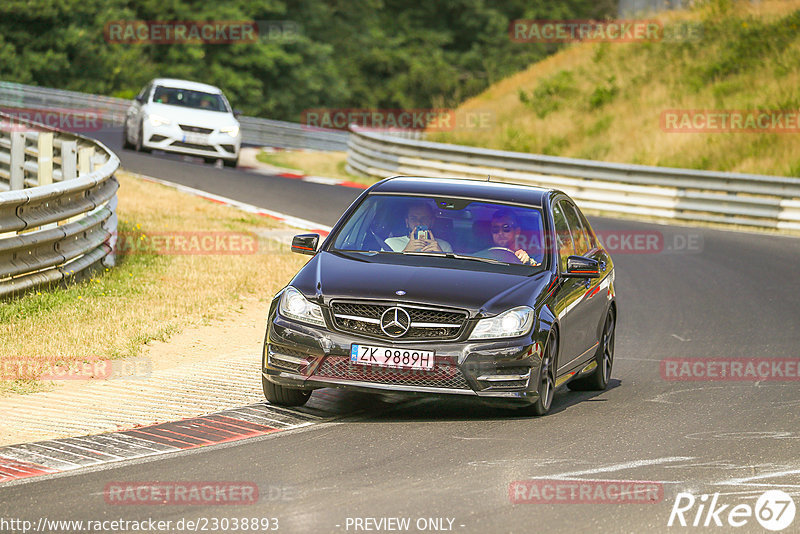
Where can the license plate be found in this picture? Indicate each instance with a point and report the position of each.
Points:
(390, 357)
(195, 138)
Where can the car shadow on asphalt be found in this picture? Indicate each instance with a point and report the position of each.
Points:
(409, 408)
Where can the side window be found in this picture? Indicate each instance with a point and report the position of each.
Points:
(579, 236)
(563, 237)
(589, 232)
(142, 96)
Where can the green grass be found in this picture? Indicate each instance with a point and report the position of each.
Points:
(114, 313)
(313, 163)
(604, 100)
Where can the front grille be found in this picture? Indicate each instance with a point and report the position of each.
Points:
(195, 129)
(191, 145)
(426, 323)
(441, 376)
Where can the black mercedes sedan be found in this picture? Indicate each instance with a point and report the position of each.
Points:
(447, 286)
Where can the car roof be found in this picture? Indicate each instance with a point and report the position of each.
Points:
(465, 188)
(186, 84)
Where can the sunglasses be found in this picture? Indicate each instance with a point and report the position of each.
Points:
(506, 228)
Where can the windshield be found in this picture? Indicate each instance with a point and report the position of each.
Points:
(450, 228)
(189, 99)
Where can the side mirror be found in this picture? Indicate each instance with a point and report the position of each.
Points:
(237, 112)
(582, 267)
(305, 244)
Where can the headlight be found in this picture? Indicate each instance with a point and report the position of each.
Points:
(512, 323)
(295, 306)
(233, 131)
(158, 120)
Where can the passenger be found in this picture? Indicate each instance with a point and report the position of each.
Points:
(420, 214)
(506, 233)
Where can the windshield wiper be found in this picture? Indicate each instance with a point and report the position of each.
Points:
(458, 257)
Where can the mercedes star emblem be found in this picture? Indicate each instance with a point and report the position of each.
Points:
(395, 322)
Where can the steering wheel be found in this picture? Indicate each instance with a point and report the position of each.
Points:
(503, 254)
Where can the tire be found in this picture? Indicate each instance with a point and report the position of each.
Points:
(283, 396)
(231, 162)
(547, 386)
(604, 357)
(125, 143)
(139, 147)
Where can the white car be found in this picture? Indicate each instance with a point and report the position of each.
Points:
(184, 117)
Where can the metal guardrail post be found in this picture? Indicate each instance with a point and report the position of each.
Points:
(45, 158)
(69, 160)
(17, 167)
(85, 160)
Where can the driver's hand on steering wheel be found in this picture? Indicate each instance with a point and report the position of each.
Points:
(524, 258)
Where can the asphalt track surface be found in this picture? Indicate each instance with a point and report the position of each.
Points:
(734, 295)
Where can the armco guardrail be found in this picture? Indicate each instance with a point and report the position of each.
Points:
(266, 132)
(57, 205)
(689, 195)
(255, 131)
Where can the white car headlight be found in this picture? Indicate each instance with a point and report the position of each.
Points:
(295, 306)
(233, 131)
(158, 120)
(511, 323)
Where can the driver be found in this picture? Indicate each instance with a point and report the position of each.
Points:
(505, 233)
(420, 213)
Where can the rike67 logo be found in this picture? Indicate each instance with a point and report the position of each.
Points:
(774, 510)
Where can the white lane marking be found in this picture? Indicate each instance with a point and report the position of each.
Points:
(676, 336)
(297, 222)
(24, 455)
(742, 435)
(744, 481)
(623, 466)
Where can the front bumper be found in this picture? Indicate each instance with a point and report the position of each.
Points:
(303, 356)
(171, 138)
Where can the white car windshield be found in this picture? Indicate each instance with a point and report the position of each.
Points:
(452, 228)
(188, 98)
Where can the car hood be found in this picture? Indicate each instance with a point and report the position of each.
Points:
(331, 276)
(193, 117)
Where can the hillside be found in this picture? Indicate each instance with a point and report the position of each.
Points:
(605, 101)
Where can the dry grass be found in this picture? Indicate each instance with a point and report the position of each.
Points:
(606, 99)
(313, 163)
(147, 296)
